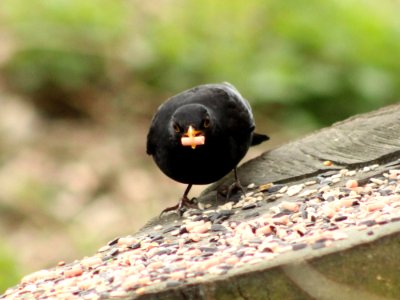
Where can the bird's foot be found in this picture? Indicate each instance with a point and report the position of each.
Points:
(236, 186)
(180, 208)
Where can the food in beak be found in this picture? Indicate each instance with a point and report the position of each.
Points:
(193, 138)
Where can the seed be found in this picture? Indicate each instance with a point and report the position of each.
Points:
(283, 189)
(210, 263)
(377, 181)
(264, 230)
(298, 246)
(158, 227)
(329, 212)
(311, 182)
(75, 270)
(155, 265)
(292, 206)
(283, 220)
(202, 228)
(116, 294)
(340, 218)
(127, 241)
(232, 260)
(351, 183)
(344, 202)
(178, 275)
(91, 261)
(294, 189)
(249, 206)
(375, 206)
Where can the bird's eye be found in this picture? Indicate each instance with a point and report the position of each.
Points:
(177, 128)
(206, 123)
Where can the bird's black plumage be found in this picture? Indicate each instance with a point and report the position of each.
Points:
(219, 116)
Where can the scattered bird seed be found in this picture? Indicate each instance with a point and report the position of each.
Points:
(225, 238)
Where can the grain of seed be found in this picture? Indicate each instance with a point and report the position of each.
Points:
(283, 220)
(375, 206)
(311, 182)
(91, 261)
(291, 206)
(75, 270)
(307, 193)
(377, 181)
(264, 230)
(283, 189)
(351, 183)
(294, 189)
(126, 241)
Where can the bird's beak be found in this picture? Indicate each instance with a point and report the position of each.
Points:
(193, 138)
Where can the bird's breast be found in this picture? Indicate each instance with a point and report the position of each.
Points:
(204, 164)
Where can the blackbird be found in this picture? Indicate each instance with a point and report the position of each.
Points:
(200, 135)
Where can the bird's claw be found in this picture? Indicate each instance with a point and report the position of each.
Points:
(234, 186)
(180, 208)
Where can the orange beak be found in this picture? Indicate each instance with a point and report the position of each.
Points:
(193, 138)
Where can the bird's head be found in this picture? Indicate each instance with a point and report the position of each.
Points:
(190, 123)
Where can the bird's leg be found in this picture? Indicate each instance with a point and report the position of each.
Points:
(183, 202)
(235, 185)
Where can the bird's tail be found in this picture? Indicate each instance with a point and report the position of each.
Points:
(259, 138)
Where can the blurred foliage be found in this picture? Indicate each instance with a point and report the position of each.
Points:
(328, 59)
(61, 50)
(297, 61)
(9, 273)
(55, 80)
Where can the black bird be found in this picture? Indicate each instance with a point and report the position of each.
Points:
(201, 134)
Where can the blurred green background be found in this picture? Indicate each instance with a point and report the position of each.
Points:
(80, 80)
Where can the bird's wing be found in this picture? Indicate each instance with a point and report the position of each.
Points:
(236, 110)
(238, 96)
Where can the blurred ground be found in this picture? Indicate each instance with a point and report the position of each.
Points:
(67, 187)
